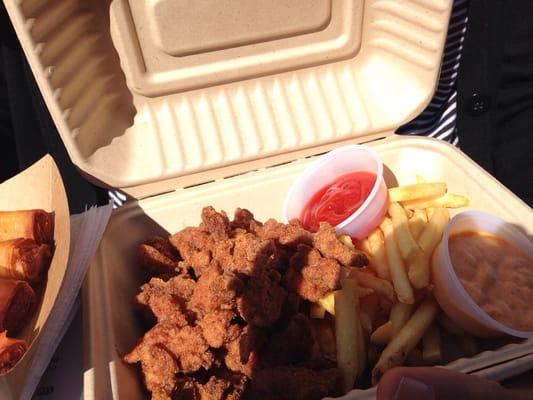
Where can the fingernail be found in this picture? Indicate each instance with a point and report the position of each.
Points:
(410, 388)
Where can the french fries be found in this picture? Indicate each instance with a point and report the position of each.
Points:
(431, 353)
(376, 245)
(400, 281)
(351, 353)
(417, 223)
(399, 315)
(417, 191)
(407, 245)
(449, 200)
(406, 340)
(380, 286)
(328, 302)
(377, 302)
(430, 237)
(381, 336)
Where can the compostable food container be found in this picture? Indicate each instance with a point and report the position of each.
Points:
(38, 187)
(184, 104)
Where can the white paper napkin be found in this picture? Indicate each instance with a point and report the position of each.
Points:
(86, 232)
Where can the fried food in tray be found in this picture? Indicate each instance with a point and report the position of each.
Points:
(230, 310)
(37, 225)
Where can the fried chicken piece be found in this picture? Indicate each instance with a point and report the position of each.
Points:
(215, 290)
(262, 299)
(222, 388)
(291, 234)
(159, 372)
(158, 256)
(217, 223)
(167, 300)
(186, 389)
(327, 242)
(243, 353)
(195, 246)
(246, 254)
(311, 275)
(187, 346)
(244, 219)
(296, 383)
(291, 345)
(217, 328)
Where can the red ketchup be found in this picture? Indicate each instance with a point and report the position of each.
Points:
(338, 200)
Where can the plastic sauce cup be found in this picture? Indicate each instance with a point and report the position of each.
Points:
(325, 170)
(449, 291)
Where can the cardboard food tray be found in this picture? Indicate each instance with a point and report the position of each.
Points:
(114, 277)
(153, 95)
(39, 186)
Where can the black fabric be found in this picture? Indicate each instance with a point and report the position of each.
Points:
(495, 92)
(27, 131)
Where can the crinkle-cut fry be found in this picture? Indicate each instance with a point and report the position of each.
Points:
(449, 200)
(431, 352)
(399, 315)
(382, 335)
(399, 278)
(378, 253)
(417, 223)
(366, 279)
(406, 340)
(417, 191)
(317, 311)
(419, 273)
(406, 243)
(328, 302)
(467, 344)
(351, 352)
(450, 326)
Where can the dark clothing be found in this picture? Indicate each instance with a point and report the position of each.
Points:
(495, 92)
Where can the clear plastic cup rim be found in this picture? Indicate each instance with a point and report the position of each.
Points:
(327, 158)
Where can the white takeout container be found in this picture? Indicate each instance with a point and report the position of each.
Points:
(449, 291)
(183, 106)
(324, 170)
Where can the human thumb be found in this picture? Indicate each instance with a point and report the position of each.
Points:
(434, 383)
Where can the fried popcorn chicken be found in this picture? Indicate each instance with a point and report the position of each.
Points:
(215, 290)
(231, 306)
(187, 345)
(217, 328)
(167, 300)
(158, 256)
(326, 241)
(216, 223)
(262, 299)
(311, 275)
(195, 246)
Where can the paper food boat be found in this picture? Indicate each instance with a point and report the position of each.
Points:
(39, 186)
(184, 104)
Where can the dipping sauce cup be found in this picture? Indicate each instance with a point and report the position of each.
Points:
(449, 291)
(324, 171)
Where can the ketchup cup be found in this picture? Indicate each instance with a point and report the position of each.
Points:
(325, 170)
(449, 291)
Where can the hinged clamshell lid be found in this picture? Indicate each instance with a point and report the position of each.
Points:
(151, 95)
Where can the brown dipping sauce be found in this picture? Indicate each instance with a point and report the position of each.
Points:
(497, 276)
